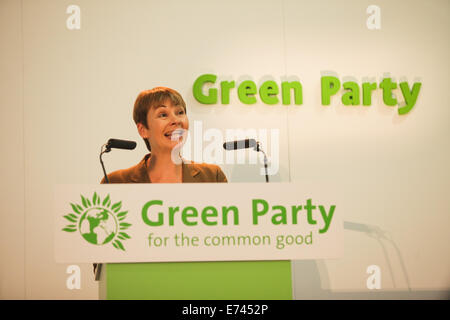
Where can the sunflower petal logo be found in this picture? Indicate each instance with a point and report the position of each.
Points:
(98, 221)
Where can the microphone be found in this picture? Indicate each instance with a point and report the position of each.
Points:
(244, 144)
(239, 144)
(116, 144)
(120, 144)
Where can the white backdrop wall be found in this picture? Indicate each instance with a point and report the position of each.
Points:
(65, 92)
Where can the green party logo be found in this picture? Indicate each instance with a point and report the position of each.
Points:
(99, 222)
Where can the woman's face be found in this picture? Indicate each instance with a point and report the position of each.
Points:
(167, 123)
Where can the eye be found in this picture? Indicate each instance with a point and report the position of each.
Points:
(162, 114)
(181, 111)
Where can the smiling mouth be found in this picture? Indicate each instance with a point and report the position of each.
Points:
(174, 135)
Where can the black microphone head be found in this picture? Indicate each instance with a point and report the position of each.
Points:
(239, 144)
(121, 144)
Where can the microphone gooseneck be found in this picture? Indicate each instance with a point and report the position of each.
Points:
(115, 144)
(103, 150)
(244, 144)
(111, 144)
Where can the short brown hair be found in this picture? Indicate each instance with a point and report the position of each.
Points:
(150, 98)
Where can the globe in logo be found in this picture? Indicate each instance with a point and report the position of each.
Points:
(98, 226)
(99, 222)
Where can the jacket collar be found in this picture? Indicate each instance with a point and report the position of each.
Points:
(139, 173)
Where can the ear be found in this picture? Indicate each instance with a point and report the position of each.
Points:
(143, 131)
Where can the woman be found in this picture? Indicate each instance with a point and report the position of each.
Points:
(160, 116)
(161, 120)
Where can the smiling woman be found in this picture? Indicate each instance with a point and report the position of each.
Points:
(161, 120)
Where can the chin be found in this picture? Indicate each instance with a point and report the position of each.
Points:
(171, 146)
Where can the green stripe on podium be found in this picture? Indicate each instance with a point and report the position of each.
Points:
(226, 280)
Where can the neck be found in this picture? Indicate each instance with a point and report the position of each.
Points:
(162, 165)
(164, 159)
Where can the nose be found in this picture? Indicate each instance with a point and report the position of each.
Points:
(174, 118)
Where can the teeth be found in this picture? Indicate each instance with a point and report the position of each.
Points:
(175, 134)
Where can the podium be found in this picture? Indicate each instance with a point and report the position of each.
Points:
(197, 245)
(223, 280)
